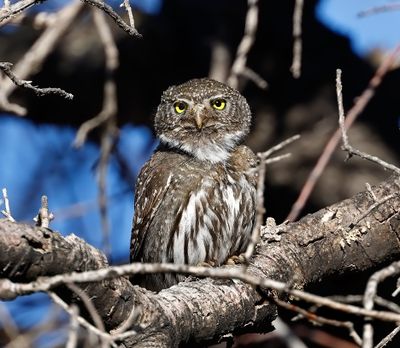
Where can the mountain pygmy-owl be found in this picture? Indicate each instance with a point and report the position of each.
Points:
(196, 197)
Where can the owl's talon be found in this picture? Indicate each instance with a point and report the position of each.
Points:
(206, 264)
(236, 259)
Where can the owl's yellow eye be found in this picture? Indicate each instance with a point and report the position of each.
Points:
(218, 104)
(180, 107)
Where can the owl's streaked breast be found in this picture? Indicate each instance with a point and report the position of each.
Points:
(188, 213)
(215, 224)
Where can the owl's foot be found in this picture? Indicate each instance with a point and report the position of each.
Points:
(236, 259)
(206, 264)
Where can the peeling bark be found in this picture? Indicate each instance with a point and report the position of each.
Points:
(331, 242)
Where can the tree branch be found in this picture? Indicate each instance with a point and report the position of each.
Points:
(326, 243)
(6, 68)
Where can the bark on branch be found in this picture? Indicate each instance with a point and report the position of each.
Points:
(353, 235)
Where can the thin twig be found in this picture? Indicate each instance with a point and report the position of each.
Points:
(128, 323)
(330, 147)
(83, 322)
(33, 59)
(73, 328)
(6, 4)
(312, 317)
(117, 19)
(106, 118)
(219, 61)
(10, 328)
(346, 145)
(369, 189)
(92, 311)
(260, 210)
(8, 12)
(39, 21)
(13, 10)
(388, 338)
(88, 126)
(6, 201)
(6, 68)
(128, 8)
(9, 290)
(369, 296)
(239, 65)
(373, 207)
(29, 337)
(109, 92)
(389, 305)
(285, 332)
(106, 147)
(89, 305)
(253, 76)
(7, 211)
(110, 129)
(379, 9)
(277, 158)
(44, 216)
(396, 292)
(6, 106)
(297, 39)
(276, 148)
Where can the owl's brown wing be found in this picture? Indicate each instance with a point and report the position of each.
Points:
(161, 174)
(152, 185)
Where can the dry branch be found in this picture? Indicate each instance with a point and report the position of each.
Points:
(322, 244)
(264, 159)
(107, 118)
(44, 216)
(297, 40)
(33, 59)
(7, 211)
(8, 12)
(346, 145)
(6, 68)
(330, 147)
(379, 9)
(239, 67)
(117, 19)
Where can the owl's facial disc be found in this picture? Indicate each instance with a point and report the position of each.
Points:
(203, 118)
(203, 128)
(201, 113)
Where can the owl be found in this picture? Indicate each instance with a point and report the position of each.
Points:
(195, 198)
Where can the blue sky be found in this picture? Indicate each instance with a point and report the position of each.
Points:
(374, 31)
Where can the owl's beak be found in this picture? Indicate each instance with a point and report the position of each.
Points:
(199, 120)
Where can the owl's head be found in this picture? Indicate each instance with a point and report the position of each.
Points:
(204, 118)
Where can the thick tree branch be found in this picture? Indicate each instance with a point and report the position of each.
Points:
(326, 243)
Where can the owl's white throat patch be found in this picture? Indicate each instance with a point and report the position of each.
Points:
(210, 151)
